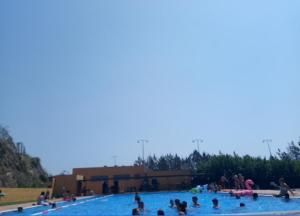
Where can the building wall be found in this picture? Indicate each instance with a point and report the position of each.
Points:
(19, 195)
(111, 173)
(63, 183)
(171, 180)
(130, 178)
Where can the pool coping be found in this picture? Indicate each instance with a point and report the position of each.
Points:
(35, 206)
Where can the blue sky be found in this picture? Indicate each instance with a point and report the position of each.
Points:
(81, 81)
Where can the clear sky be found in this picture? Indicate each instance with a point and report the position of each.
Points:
(81, 81)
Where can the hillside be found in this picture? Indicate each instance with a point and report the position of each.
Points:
(17, 168)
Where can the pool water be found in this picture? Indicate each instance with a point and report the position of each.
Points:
(123, 204)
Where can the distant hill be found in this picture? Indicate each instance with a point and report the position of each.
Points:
(17, 168)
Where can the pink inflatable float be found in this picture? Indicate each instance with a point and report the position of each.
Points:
(248, 192)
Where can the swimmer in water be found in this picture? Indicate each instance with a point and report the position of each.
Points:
(135, 211)
(172, 205)
(215, 203)
(195, 201)
(255, 196)
(137, 197)
(160, 212)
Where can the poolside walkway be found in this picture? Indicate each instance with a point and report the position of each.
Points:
(272, 192)
(30, 204)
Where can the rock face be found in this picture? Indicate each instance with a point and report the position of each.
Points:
(18, 169)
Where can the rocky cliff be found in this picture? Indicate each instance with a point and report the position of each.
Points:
(17, 168)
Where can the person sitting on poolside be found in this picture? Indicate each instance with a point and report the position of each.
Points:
(215, 203)
(195, 201)
(41, 199)
(135, 211)
(160, 212)
(284, 188)
(67, 196)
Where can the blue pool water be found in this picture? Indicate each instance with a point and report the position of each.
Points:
(123, 204)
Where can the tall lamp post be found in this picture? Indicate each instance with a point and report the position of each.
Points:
(268, 141)
(143, 141)
(115, 159)
(197, 141)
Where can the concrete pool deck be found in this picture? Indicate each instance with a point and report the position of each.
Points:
(272, 192)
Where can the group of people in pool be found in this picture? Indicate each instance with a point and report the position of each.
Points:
(242, 188)
(180, 206)
(141, 208)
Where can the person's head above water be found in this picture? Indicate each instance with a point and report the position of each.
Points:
(215, 203)
(182, 207)
(242, 205)
(160, 212)
(135, 211)
(195, 201)
(255, 196)
(138, 199)
(177, 202)
(141, 205)
(171, 203)
(20, 209)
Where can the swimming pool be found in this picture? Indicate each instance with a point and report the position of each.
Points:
(123, 204)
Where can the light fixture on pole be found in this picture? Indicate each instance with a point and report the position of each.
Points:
(197, 141)
(268, 141)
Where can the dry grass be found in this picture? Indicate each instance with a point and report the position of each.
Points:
(20, 195)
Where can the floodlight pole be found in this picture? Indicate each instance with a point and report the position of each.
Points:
(268, 141)
(197, 141)
(143, 141)
(115, 159)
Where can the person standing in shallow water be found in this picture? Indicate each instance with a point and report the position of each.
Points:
(284, 188)
(236, 182)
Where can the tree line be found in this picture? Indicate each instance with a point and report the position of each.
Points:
(210, 167)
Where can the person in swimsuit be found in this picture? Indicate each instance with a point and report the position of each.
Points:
(236, 182)
(284, 188)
